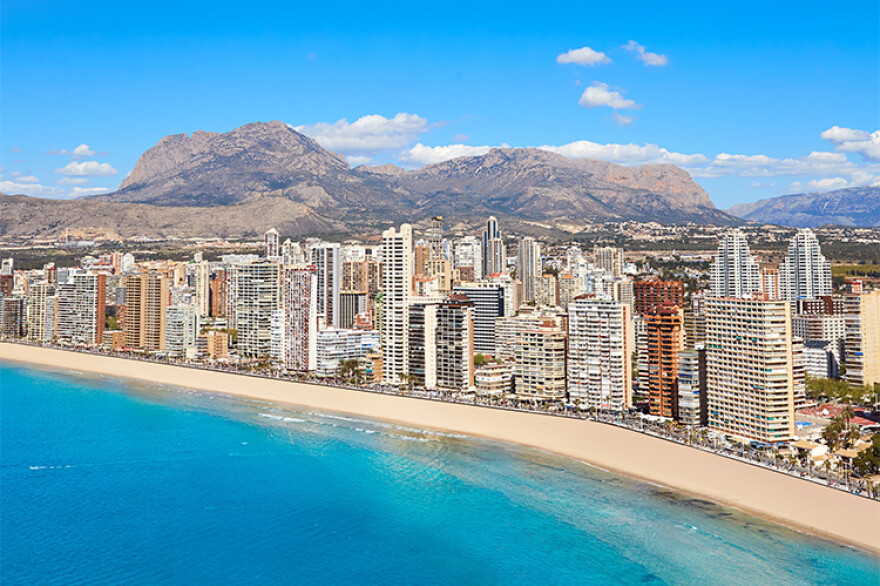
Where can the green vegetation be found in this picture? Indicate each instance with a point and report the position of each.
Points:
(350, 369)
(480, 360)
(841, 432)
(868, 461)
(856, 270)
(839, 390)
(110, 323)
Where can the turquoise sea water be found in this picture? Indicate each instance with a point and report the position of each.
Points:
(104, 481)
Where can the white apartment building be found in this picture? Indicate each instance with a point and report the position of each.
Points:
(734, 273)
(750, 368)
(181, 329)
(805, 273)
(257, 295)
(397, 273)
(599, 350)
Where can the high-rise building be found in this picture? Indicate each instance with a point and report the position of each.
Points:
(181, 329)
(6, 267)
(422, 343)
(506, 328)
(862, 314)
(257, 294)
(272, 246)
(539, 363)
(146, 297)
(570, 287)
(805, 273)
(81, 309)
(494, 252)
(692, 402)
(599, 350)
(609, 260)
(547, 290)
(489, 304)
(41, 312)
(734, 273)
(649, 296)
(201, 284)
(469, 253)
(351, 304)
(769, 283)
(294, 334)
(455, 344)
(397, 267)
(328, 271)
(749, 368)
(528, 267)
(665, 333)
(13, 316)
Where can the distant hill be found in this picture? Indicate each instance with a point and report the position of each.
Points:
(853, 206)
(268, 173)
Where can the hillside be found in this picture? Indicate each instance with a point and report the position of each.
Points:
(854, 206)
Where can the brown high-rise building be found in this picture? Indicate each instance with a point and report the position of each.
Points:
(422, 255)
(7, 283)
(146, 297)
(648, 296)
(218, 294)
(665, 333)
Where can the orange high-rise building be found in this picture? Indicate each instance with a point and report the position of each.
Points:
(665, 333)
(648, 296)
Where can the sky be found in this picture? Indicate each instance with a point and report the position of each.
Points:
(754, 99)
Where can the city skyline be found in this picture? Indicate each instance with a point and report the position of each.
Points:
(411, 92)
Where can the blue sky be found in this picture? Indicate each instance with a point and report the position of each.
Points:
(755, 99)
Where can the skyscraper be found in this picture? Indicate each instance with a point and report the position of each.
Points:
(81, 309)
(664, 328)
(489, 304)
(805, 273)
(734, 273)
(528, 267)
(609, 259)
(328, 271)
(201, 282)
(862, 315)
(257, 295)
(599, 349)
(494, 253)
(295, 323)
(272, 246)
(650, 295)
(397, 267)
(749, 368)
(146, 297)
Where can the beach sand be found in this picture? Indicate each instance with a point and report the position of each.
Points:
(786, 500)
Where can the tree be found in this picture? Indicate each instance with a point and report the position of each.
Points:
(349, 368)
(480, 360)
(868, 460)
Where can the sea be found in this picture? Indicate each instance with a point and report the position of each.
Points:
(107, 481)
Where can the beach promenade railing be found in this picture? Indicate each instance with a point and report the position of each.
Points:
(684, 436)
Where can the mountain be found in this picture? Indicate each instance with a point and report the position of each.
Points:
(264, 174)
(853, 206)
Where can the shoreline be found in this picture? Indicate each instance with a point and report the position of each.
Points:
(789, 501)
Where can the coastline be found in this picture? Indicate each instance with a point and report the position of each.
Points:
(786, 500)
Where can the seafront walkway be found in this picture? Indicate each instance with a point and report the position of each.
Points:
(699, 439)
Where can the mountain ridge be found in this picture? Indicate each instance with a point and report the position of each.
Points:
(851, 206)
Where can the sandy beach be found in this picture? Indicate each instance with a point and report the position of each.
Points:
(792, 502)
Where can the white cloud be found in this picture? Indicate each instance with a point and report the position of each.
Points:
(83, 191)
(22, 178)
(72, 181)
(645, 56)
(82, 150)
(583, 56)
(425, 155)
(599, 94)
(828, 183)
(356, 160)
(367, 135)
(87, 168)
(624, 154)
(837, 134)
(35, 189)
(622, 120)
(849, 140)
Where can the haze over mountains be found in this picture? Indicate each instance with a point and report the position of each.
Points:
(267, 174)
(854, 206)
